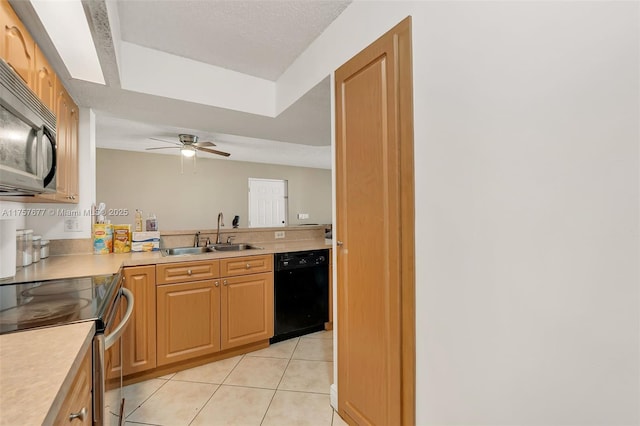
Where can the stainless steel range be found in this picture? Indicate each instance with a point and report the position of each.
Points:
(50, 303)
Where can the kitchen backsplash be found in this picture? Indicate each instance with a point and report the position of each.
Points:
(185, 238)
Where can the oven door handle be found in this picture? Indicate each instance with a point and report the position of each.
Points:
(110, 339)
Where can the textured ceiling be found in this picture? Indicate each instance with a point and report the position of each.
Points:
(259, 38)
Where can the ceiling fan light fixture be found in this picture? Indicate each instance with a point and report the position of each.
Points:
(188, 151)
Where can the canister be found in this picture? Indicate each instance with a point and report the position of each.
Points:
(24, 249)
(35, 244)
(44, 249)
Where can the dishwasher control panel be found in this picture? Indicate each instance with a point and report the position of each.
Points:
(301, 259)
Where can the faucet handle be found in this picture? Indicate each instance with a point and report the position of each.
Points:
(208, 241)
(229, 238)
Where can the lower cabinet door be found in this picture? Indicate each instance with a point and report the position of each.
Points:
(188, 320)
(139, 338)
(246, 309)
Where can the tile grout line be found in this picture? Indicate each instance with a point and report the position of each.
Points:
(147, 398)
(276, 390)
(217, 389)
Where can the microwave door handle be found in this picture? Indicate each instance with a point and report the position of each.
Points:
(111, 338)
(54, 155)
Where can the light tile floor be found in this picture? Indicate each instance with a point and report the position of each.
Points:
(284, 384)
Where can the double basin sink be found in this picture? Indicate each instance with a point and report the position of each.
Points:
(208, 249)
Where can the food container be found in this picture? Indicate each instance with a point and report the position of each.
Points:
(44, 249)
(24, 249)
(102, 238)
(35, 246)
(121, 238)
(146, 241)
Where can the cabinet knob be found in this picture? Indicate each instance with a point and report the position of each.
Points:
(80, 415)
(339, 243)
(189, 272)
(248, 266)
(224, 282)
(217, 283)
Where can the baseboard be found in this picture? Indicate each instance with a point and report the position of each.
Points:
(333, 396)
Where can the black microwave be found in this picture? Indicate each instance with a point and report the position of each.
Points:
(27, 139)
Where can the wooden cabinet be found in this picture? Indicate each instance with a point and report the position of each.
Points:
(169, 273)
(17, 47)
(139, 338)
(67, 116)
(207, 306)
(45, 81)
(19, 50)
(245, 265)
(77, 408)
(246, 309)
(188, 320)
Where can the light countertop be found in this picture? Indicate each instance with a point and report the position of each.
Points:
(82, 265)
(37, 369)
(37, 366)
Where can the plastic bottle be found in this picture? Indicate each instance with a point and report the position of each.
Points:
(152, 222)
(138, 227)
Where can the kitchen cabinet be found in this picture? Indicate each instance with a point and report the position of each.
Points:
(139, 338)
(246, 309)
(77, 407)
(188, 320)
(171, 273)
(67, 115)
(19, 50)
(45, 81)
(205, 307)
(17, 47)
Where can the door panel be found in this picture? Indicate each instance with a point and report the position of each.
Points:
(139, 338)
(247, 309)
(267, 203)
(188, 320)
(373, 180)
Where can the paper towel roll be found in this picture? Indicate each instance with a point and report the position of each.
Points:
(7, 247)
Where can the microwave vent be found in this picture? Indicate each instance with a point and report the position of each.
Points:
(14, 84)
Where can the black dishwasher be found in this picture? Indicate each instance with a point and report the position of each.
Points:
(301, 282)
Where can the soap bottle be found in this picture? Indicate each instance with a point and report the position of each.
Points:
(152, 222)
(138, 227)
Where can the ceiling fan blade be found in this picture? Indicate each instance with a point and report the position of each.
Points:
(213, 151)
(199, 144)
(163, 147)
(162, 140)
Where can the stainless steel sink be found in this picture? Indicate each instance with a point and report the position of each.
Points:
(233, 247)
(185, 250)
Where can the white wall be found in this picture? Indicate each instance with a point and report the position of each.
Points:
(526, 151)
(191, 201)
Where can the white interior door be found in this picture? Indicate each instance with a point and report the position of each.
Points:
(267, 203)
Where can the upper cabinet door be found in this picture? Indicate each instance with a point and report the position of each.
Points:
(17, 46)
(45, 81)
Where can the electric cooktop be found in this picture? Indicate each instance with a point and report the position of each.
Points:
(55, 302)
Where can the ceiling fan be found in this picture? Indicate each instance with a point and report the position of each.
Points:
(188, 146)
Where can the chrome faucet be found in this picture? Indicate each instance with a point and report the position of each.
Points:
(196, 239)
(220, 221)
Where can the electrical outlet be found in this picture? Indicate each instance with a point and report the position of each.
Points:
(279, 234)
(71, 224)
(303, 215)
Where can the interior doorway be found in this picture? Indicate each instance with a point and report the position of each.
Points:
(267, 203)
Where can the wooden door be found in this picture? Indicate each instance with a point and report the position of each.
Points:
(188, 320)
(45, 81)
(17, 46)
(139, 338)
(246, 309)
(374, 192)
